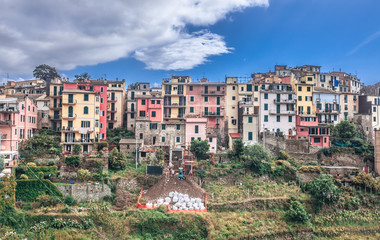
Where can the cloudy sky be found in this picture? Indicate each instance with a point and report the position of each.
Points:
(147, 40)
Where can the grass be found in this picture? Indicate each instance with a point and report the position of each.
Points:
(250, 188)
(130, 171)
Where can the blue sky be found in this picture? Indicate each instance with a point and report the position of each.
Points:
(242, 40)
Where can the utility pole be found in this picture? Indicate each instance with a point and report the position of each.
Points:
(136, 150)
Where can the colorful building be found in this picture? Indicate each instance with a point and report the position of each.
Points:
(349, 105)
(115, 103)
(81, 116)
(134, 90)
(327, 105)
(18, 121)
(196, 129)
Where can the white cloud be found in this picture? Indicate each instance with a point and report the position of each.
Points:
(70, 33)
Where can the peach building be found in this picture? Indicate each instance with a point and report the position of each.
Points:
(18, 121)
(196, 129)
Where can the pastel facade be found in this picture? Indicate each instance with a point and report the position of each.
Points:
(278, 109)
(115, 103)
(327, 105)
(174, 91)
(18, 121)
(231, 103)
(196, 129)
(131, 104)
(80, 118)
(349, 106)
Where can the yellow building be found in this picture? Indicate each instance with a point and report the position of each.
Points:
(174, 94)
(304, 88)
(80, 119)
(55, 105)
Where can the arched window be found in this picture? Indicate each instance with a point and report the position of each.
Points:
(71, 111)
(85, 110)
(132, 107)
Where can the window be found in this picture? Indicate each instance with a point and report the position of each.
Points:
(256, 88)
(290, 97)
(299, 98)
(178, 127)
(101, 125)
(317, 140)
(374, 109)
(250, 119)
(85, 124)
(354, 107)
(299, 89)
(278, 118)
(132, 115)
(192, 99)
(196, 129)
(153, 126)
(265, 118)
(242, 89)
(101, 100)
(16, 131)
(190, 88)
(153, 113)
(191, 109)
(152, 101)
(85, 97)
(249, 87)
(365, 128)
(101, 89)
(192, 138)
(250, 136)
(218, 88)
(310, 79)
(28, 108)
(143, 102)
(141, 135)
(178, 139)
(96, 123)
(206, 99)
(265, 106)
(162, 139)
(85, 110)
(233, 98)
(290, 119)
(199, 139)
(308, 89)
(234, 121)
(33, 109)
(265, 95)
(374, 119)
(163, 126)
(345, 107)
(142, 113)
(233, 87)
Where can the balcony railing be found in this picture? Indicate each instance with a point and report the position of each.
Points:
(215, 93)
(8, 109)
(179, 116)
(110, 109)
(70, 116)
(246, 103)
(7, 123)
(166, 104)
(212, 114)
(83, 141)
(70, 102)
(327, 111)
(111, 99)
(274, 112)
(284, 101)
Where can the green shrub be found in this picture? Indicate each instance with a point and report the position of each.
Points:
(30, 190)
(24, 176)
(32, 172)
(70, 201)
(297, 213)
(282, 155)
(73, 161)
(26, 206)
(48, 201)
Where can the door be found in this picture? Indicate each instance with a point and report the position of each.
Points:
(154, 140)
(71, 114)
(85, 148)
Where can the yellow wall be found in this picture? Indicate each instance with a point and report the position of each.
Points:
(303, 84)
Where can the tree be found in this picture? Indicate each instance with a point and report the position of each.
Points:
(45, 72)
(160, 156)
(84, 174)
(1, 163)
(114, 135)
(297, 213)
(73, 161)
(200, 149)
(238, 148)
(82, 76)
(39, 146)
(343, 131)
(117, 160)
(77, 148)
(324, 190)
(257, 159)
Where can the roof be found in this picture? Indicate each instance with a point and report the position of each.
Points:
(235, 135)
(324, 90)
(72, 90)
(129, 141)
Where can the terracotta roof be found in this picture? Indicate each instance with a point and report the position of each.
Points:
(235, 135)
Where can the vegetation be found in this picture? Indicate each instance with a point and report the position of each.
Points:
(237, 150)
(257, 159)
(114, 135)
(45, 72)
(7, 192)
(30, 190)
(84, 174)
(77, 148)
(297, 213)
(31, 171)
(73, 161)
(200, 149)
(324, 190)
(70, 201)
(116, 160)
(40, 146)
(1, 163)
(82, 76)
(160, 156)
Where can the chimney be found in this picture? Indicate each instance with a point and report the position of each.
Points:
(204, 80)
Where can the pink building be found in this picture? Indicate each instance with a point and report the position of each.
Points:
(307, 128)
(149, 107)
(18, 121)
(196, 129)
(207, 100)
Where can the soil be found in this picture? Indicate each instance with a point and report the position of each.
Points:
(172, 184)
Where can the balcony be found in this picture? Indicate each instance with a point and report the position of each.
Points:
(179, 116)
(111, 99)
(327, 111)
(69, 129)
(166, 104)
(72, 102)
(173, 93)
(212, 114)
(212, 93)
(146, 118)
(326, 122)
(110, 109)
(57, 106)
(7, 123)
(247, 103)
(287, 101)
(81, 141)
(274, 112)
(111, 119)
(70, 116)
(55, 117)
(8, 109)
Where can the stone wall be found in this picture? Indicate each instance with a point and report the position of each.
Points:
(128, 184)
(275, 144)
(88, 192)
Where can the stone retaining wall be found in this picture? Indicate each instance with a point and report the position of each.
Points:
(88, 192)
